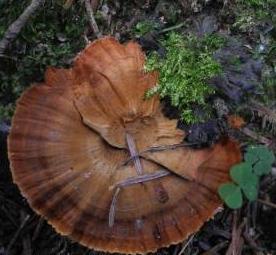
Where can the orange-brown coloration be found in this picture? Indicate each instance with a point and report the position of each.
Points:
(235, 121)
(68, 149)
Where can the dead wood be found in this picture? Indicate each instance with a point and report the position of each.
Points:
(15, 28)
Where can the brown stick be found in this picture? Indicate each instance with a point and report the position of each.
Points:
(159, 148)
(128, 182)
(256, 136)
(141, 178)
(15, 28)
(236, 245)
(91, 18)
(267, 203)
(216, 248)
(111, 216)
(134, 154)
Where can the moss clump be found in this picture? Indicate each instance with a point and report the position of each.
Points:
(184, 71)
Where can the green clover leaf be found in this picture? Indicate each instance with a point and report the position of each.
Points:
(250, 157)
(250, 192)
(231, 194)
(262, 167)
(259, 153)
(242, 174)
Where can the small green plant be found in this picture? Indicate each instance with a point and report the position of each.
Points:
(257, 162)
(144, 27)
(245, 22)
(185, 70)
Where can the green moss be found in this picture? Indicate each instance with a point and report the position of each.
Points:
(52, 37)
(144, 27)
(185, 70)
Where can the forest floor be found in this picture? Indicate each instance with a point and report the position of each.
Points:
(245, 88)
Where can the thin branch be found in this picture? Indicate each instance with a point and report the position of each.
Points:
(134, 154)
(215, 249)
(165, 30)
(186, 244)
(38, 229)
(168, 147)
(236, 245)
(17, 233)
(92, 21)
(159, 148)
(255, 136)
(111, 216)
(141, 178)
(128, 182)
(267, 203)
(15, 28)
(26, 240)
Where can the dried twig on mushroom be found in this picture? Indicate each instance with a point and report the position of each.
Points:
(159, 148)
(141, 178)
(129, 182)
(134, 154)
(15, 28)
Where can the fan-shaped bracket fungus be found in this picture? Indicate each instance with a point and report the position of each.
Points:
(103, 165)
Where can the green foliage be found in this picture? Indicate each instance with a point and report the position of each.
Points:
(242, 174)
(258, 161)
(184, 71)
(51, 38)
(258, 3)
(144, 27)
(6, 111)
(250, 12)
(261, 159)
(232, 195)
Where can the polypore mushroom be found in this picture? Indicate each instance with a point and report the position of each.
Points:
(103, 165)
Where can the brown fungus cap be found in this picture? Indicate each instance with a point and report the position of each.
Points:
(83, 152)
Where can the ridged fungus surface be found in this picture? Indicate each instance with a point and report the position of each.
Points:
(103, 165)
